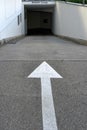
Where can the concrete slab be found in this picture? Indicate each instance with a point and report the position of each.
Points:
(43, 48)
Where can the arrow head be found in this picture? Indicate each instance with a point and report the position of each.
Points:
(44, 70)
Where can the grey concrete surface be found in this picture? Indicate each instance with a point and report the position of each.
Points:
(43, 48)
(20, 97)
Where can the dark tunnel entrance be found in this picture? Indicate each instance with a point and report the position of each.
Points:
(38, 22)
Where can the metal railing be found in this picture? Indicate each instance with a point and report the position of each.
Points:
(75, 1)
(37, 0)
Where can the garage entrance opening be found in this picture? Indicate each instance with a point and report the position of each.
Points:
(38, 22)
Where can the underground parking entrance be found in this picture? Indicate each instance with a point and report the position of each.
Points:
(38, 21)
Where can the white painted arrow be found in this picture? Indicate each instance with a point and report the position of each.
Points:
(46, 72)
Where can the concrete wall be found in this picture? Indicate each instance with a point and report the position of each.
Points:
(33, 20)
(46, 16)
(9, 10)
(36, 20)
(70, 20)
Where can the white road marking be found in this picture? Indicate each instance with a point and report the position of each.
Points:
(46, 72)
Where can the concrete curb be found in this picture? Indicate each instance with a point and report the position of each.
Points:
(78, 41)
(2, 42)
(9, 40)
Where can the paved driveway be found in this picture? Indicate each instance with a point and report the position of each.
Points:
(21, 98)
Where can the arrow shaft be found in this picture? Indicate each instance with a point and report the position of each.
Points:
(48, 111)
